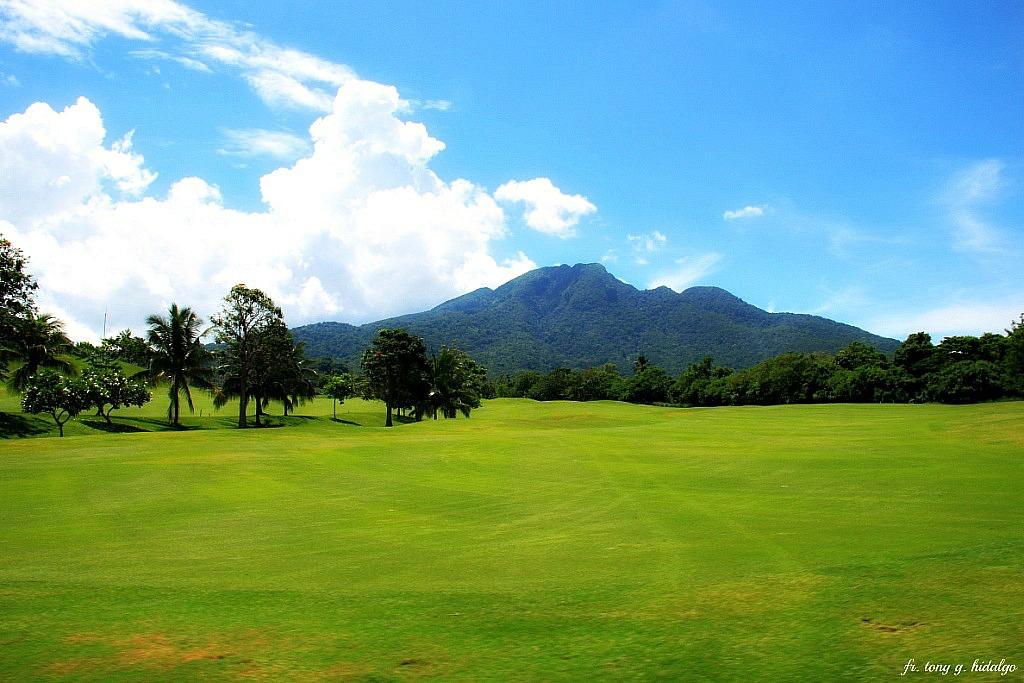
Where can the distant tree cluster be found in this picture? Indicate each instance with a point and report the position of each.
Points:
(399, 373)
(254, 359)
(960, 369)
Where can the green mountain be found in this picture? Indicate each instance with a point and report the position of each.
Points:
(581, 316)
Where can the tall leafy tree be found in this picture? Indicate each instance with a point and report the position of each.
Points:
(280, 372)
(39, 342)
(17, 288)
(1013, 360)
(917, 355)
(649, 385)
(178, 356)
(396, 369)
(243, 326)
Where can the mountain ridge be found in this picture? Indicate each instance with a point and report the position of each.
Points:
(582, 316)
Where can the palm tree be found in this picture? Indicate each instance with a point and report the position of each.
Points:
(455, 379)
(178, 356)
(39, 343)
(299, 381)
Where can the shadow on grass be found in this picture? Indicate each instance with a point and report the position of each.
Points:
(113, 427)
(13, 426)
(345, 422)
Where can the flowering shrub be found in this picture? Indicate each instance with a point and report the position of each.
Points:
(62, 398)
(112, 388)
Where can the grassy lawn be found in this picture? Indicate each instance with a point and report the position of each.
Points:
(531, 542)
(153, 416)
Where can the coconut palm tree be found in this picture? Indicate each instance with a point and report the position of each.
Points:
(455, 380)
(39, 343)
(298, 381)
(178, 356)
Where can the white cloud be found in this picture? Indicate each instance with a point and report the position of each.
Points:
(967, 192)
(437, 105)
(646, 243)
(745, 212)
(360, 227)
(687, 271)
(257, 142)
(53, 162)
(281, 90)
(69, 28)
(411, 106)
(548, 209)
(187, 62)
(954, 318)
(9, 80)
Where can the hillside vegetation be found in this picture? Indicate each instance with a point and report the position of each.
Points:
(534, 541)
(582, 316)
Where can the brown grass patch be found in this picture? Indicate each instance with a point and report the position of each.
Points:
(152, 651)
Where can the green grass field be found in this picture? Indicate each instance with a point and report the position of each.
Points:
(531, 542)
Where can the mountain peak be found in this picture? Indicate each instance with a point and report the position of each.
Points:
(582, 316)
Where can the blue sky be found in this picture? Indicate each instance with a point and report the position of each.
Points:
(861, 161)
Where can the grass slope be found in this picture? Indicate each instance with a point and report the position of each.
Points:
(532, 542)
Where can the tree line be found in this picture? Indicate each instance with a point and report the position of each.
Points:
(960, 369)
(252, 357)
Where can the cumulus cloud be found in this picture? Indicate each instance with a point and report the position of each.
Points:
(745, 212)
(359, 227)
(257, 142)
(548, 209)
(281, 76)
(966, 194)
(687, 271)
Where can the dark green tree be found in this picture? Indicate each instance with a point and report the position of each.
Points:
(858, 354)
(966, 382)
(917, 355)
(242, 327)
(456, 382)
(1013, 360)
(17, 291)
(602, 383)
(396, 369)
(554, 386)
(126, 347)
(281, 371)
(178, 357)
(649, 385)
